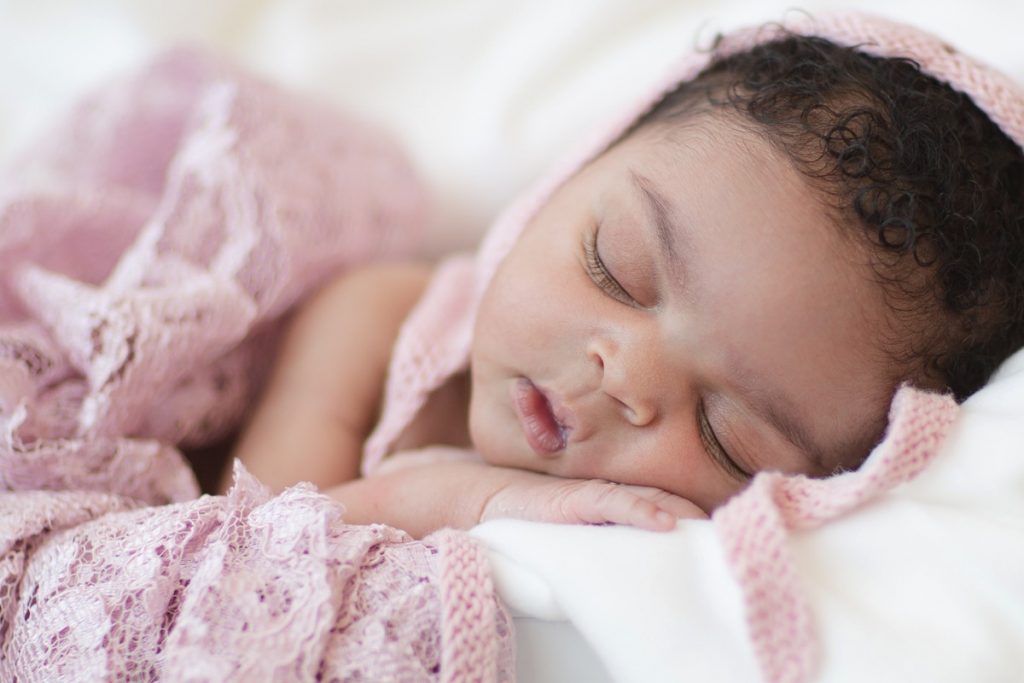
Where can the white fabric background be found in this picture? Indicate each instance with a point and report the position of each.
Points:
(482, 92)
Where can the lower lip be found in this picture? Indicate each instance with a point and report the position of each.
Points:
(543, 432)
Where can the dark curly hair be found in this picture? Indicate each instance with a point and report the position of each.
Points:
(934, 186)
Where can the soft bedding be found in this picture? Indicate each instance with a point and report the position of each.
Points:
(149, 247)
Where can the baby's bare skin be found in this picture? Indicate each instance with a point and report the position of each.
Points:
(325, 390)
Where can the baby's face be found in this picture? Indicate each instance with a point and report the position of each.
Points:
(681, 314)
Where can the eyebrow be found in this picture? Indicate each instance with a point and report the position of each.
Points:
(658, 209)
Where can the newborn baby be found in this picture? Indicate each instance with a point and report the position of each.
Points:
(739, 282)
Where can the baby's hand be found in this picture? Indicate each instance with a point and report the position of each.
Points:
(441, 487)
(543, 498)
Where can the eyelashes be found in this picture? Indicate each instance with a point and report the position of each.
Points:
(598, 272)
(714, 447)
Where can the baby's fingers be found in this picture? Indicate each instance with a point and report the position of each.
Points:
(677, 505)
(601, 502)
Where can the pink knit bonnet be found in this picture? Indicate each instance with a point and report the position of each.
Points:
(754, 526)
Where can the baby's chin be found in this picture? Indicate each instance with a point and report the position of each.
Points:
(482, 426)
(497, 450)
(501, 446)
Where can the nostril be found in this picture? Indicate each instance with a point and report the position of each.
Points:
(626, 409)
(637, 414)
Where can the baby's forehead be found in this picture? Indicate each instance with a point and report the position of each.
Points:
(703, 133)
(702, 160)
(674, 154)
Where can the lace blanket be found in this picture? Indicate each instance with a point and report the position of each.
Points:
(149, 247)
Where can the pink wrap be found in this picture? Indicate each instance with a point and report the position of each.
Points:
(754, 526)
(148, 250)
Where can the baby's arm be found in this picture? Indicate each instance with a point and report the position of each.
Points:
(456, 493)
(325, 390)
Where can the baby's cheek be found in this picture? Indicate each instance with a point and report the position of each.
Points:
(489, 430)
(678, 463)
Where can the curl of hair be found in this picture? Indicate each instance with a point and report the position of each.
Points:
(931, 183)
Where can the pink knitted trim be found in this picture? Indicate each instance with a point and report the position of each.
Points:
(469, 618)
(995, 93)
(432, 345)
(754, 525)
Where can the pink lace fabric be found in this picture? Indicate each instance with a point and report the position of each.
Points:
(238, 588)
(755, 526)
(149, 248)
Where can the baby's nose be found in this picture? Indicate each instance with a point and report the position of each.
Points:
(628, 378)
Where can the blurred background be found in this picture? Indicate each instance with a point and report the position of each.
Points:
(482, 93)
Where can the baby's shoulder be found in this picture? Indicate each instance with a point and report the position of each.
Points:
(386, 278)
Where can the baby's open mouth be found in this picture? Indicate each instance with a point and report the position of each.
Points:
(545, 434)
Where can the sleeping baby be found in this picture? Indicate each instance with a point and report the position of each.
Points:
(738, 281)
